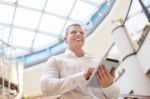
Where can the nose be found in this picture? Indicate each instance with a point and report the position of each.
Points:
(78, 33)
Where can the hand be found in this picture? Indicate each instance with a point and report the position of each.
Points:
(104, 77)
(88, 73)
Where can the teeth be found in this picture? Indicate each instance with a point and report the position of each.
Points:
(78, 39)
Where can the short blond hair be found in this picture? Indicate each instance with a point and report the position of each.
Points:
(67, 29)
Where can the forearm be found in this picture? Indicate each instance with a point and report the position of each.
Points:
(111, 92)
(55, 86)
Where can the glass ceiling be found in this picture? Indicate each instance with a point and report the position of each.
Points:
(34, 29)
(31, 26)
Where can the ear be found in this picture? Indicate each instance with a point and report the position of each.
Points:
(65, 39)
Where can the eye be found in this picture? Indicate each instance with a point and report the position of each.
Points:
(73, 32)
(82, 33)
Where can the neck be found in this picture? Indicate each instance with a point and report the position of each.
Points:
(78, 51)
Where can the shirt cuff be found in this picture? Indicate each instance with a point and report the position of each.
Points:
(80, 77)
(109, 89)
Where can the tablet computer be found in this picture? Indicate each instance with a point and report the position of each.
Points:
(109, 63)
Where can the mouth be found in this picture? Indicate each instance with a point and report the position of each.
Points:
(78, 39)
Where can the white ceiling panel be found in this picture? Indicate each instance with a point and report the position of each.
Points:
(26, 18)
(43, 41)
(59, 7)
(4, 33)
(6, 14)
(83, 11)
(37, 4)
(22, 38)
(51, 24)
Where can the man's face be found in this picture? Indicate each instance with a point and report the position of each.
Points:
(75, 37)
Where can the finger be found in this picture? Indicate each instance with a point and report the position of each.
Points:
(105, 68)
(91, 70)
(99, 72)
(87, 73)
(112, 72)
(106, 71)
(98, 79)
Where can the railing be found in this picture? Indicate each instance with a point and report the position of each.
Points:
(133, 96)
(11, 73)
(6, 84)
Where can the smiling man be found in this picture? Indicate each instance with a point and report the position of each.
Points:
(67, 74)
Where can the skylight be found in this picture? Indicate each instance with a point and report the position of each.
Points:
(30, 26)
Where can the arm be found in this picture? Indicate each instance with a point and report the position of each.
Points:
(106, 80)
(51, 84)
(111, 92)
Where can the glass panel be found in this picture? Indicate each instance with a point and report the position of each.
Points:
(43, 41)
(11, 1)
(146, 2)
(4, 33)
(54, 25)
(51, 24)
(96, 1)
(10, 52)
(6, 13)
(83, 11)
(135, 8)
(22, 38)
(26, 18)
(60, 7)
(135, 24)
(38, 4)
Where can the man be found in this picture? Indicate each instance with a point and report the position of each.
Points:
(67, 74)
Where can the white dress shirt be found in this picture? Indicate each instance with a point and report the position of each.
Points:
(63, 75)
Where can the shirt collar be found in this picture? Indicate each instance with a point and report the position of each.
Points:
(68, 52)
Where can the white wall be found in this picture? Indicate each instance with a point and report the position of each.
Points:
(134, 78)
(144, 54)
(32, 79)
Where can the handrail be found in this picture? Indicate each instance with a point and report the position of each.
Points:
(12, 85)
(134, 96)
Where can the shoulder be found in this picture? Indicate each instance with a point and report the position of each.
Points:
(56, 57)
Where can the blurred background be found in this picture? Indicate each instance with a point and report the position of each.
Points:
(31, 31)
